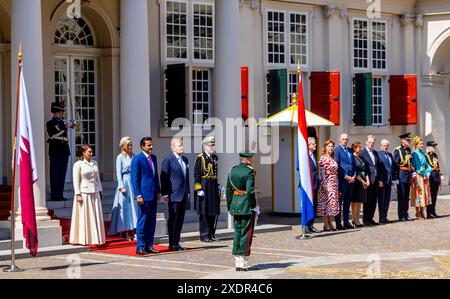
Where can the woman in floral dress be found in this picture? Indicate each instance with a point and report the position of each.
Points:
(328, 205)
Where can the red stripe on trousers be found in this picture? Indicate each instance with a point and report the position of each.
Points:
(250, 235)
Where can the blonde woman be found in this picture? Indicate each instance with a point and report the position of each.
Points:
(420, 195)
(124, 213)
(87, 226)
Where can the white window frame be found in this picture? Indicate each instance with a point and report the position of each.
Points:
(188, 25)
(191, 27)
(287, 46)
(191, 94)
(370, 67)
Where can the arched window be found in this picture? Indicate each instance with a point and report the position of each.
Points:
(73, 32)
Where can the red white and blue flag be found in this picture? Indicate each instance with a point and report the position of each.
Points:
(303, 160)
(28, 172)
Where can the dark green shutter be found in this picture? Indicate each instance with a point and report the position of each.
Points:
(175, 92)
(363, 99)
(277, 87)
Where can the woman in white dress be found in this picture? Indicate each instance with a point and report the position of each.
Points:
(125, 209)
(87, 226)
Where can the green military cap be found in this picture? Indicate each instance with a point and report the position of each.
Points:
(246, 154)
(431, 143)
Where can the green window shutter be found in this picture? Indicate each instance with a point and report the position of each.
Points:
(363, 99)
(277, 88)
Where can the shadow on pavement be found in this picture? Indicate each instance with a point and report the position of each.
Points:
(271, 266)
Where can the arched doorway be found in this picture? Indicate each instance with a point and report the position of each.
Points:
(75, 81)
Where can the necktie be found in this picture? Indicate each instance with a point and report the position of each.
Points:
(183, 166)
(312, 158)
(387, 158)
(151, 164)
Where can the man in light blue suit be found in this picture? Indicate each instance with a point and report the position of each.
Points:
(145, 181)
(176, 191)
(347, 174)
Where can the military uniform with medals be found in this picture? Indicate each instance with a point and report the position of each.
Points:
(241, 203)
(402, 159)
(207, 192)
(59, 152)
(435, 180)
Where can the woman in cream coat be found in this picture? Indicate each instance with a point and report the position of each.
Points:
(87, 226)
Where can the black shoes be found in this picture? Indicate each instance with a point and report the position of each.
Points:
(403, 220)
(141, 252)
(385, 221)
(241, 269)
(206, 240)
(312, 229)
(339, 226)
(347, 225)
(214, 239)
(176, 247)
(151, 250)
(372, 222)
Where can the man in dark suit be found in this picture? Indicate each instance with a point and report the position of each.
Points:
(145, 181)
(386, 169)
(59, 151)
(370, 158)
(435, 178)
(175, 189)
(347, 174)
(316, 181)
(402, 159)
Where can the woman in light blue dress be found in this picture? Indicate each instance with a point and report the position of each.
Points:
(124, 213)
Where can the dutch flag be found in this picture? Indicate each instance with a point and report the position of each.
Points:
(303, 161)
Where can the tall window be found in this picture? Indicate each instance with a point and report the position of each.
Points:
(203, 32)
(275, 37)
(287, 38)
(377, 101)
(369, 44)
(176, 29)
(292, 88)
(298, 38)
(200, 95)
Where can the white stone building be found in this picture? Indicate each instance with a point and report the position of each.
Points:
(115, 56)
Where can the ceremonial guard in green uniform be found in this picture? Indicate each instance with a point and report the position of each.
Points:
(402, 159)
(435, 178)
(207, 190)
(59, 151)
(241, 203)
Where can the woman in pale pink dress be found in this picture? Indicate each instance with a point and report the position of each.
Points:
(328, 205)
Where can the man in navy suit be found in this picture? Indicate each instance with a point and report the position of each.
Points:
(370, 158)
(175, 189)
(145, 181)
(316, 180)
(347, 174)
(386, 169)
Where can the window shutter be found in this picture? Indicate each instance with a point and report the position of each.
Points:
(325, 95)
(363, 99)
(403, 102)
(277, 88)
(244, 92)
(175, 92)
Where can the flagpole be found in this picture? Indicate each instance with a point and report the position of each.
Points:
(13, 267)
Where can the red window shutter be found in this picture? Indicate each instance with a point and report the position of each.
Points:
(244, 91)
(325, 95)
(403, 102)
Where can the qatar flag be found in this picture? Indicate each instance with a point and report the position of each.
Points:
(28, 172)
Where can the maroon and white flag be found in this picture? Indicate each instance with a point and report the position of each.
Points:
(28, 172)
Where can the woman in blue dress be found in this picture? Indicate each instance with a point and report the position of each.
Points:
(124, 213)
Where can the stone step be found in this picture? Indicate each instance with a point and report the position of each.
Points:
(23, 253)
(4, 233)
(6, 245)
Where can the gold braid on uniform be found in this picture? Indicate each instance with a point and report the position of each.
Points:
(433, 163)
(404, 161)
(207, 173)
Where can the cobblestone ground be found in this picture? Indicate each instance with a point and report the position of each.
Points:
(417, 249)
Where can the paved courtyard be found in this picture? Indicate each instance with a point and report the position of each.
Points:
(417, 249)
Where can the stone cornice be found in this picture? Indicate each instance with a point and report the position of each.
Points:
(329, 11)
(434, 80)
(419, 21)
(407, 19)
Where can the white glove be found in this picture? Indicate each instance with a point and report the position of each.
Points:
(221, 188)
(201, 193)
(396, 182)
(257, 209)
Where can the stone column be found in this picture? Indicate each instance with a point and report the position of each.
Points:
(27, 29)
(407, 22)
(227, 87)
(135, 117)
(134, 70)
